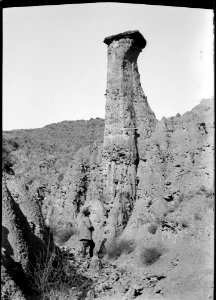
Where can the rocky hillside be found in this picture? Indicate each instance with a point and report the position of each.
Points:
(174, 205)
(34, 163)
(52, 146)
(40, 157)
(148, 184)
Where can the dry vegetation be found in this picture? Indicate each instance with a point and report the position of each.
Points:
(152, 228)
(151, 254)
(52, 277)
(118, 247)
(60, 234)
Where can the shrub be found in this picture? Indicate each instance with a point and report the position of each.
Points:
(203, 189)
(159, 220)
(209, 193)
(143, 220)
(60, 177)
(184, 223)
(122, 270)
(117, 247)
(171, 209)
(211, 203)
(62, 235)
(152, 228)
(180, 198)
(150, 255)
(51, 272)
(176, 204)
(47, 273)
(197, 216)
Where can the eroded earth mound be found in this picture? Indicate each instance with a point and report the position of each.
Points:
(148, 184)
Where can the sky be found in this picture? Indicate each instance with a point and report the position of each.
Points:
(55, 61)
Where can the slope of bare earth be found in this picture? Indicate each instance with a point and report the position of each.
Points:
(32, 161)
(41, 156)
(171, 224)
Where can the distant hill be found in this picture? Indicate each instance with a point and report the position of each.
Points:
(53, 145)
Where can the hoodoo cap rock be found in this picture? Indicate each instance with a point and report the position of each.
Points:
(135, 35)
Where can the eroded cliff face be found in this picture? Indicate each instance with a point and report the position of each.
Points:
(24, 234)
(176, 163)
(20, 247)
(29, 205)
(149, 181)
(129, 120)
(137, 175)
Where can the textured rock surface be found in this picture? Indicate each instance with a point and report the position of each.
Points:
(30, 208)
(14, 237)
(129, 120)
(12, 279)
(175, 162)
(24, 235)
(150, 183)
(19, 247)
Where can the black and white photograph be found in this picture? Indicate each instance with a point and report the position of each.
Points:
(107, 152)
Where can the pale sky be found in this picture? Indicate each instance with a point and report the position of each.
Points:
(55, 61)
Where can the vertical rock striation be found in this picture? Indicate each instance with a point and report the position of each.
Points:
(18, 239)
(29, 205)
(20, 247)
(129, 120)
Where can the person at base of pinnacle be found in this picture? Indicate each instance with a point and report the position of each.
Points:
(85, 233)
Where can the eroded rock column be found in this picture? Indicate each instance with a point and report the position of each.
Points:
(128, 118)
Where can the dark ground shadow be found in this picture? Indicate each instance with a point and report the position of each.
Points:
(15, 272)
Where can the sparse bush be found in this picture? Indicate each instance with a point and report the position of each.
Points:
(60, 177)
(117, 247)
(47, 273)
(211, 203)
(143, 220)
(122, 270)
(203, 189)
(197, 217)
(52, 273)
(62, 235)
(152, 228)
(181, 198)
(171, 209)
(175, 205)
(209, 193)
(184, 223)
(160, 219)
(150, 255)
